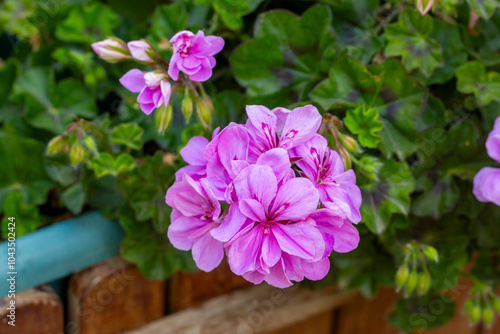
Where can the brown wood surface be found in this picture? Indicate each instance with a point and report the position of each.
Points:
(363, 316)
(319, 324)
(112, 297)
(257, 309)
(191, 289)
(38, 311)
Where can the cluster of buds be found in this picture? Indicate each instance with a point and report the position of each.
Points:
(417, 278)
(483, 304)
(192, 55)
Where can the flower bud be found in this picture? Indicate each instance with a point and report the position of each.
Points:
(142, 51)
(55, 145)
(424, 283)
(402, 276)
(346, 157)
(475, 312)
(487, 314)
(349, 143)
(431, 253)
(77, 154)
(163, 117)
(111, 50)
(187, 106)
(204, 109)
(496, 303)
(411, 283)
(90, 143)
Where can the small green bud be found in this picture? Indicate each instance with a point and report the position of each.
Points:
(487, 314)
(475, 312)
(90, 143)
(346, 157)
(496, 303)
(187, 106)
(424, 283)
(55, 145)
(411, 284)
(204, 109)
(431, 253)
(349, 143)
(77, 154)
(402, 276)
(163, 117)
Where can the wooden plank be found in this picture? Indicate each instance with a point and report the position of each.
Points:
(319, 324)
(460, 323)
(112, 297)
(367, 316)
(191, 289)
(38, 311)
(257, 309)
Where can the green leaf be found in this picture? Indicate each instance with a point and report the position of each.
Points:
(27, 218)
(52, 106)
(22, 169)
(231, 11)
(150, 250)
(128, 134)
(418, 314)
(410, 38)
(106, 164)
(298, 52)
(8, 73)
(167, 21)
(484, 8)
(472, 78)
(391, 195)
(88, 23)
(364, 122)
(74, 198)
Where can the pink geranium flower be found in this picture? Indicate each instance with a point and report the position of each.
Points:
(195, 212)
(278, 234)
(487, 180)
(193, 55)
(337, 188)
(280, 127)
(153, 87)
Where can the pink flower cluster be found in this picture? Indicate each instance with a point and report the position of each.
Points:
(487, 180)
(192, 54)
(269, 194)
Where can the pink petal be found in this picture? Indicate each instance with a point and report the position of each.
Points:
(300, 239)
(253, 210)
(278, 160)
(487, 185)
(207, 253)
(181, 227)
(295, 200)
(256, 182)
(316, 270)
(234, 222)
(277, 277)
(271, 251)
(191, 153)
(244, 251)
(301, 125)
(133, 80)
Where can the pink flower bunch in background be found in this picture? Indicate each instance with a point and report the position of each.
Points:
(269, 194)
(192, 55)
(487, 180)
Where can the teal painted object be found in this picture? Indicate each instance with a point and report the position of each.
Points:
(58, 250)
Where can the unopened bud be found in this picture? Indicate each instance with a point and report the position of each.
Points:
(349, 143)
(55, 145)
(496, 303)
(346, 157)
(90, 143)
(487, 314)
(187, 106)
(402, 276)
(111, 50)
(424, 283)
(431, 253)
(142, 51)
(411, 284)
(475, 312)
(77, 154)
(163, 117)
(204, 109)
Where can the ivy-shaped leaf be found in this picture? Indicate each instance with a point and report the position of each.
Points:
(364, 123)
(484, 8)
(27, 218)
(232, 11)
(298, 51)
(106, 164)
(128, 134)
(472, 78)
(74, 198)
(167, 21)
(389, 196)
(410, 38)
